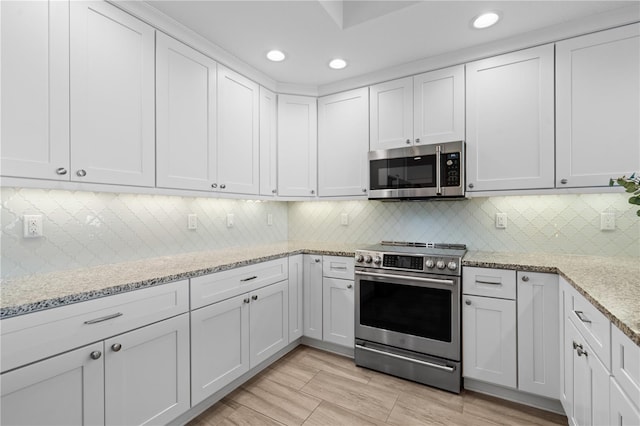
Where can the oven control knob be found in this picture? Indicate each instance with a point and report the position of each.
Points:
(367, 259)
(440, 264)
(359, 258)
(429, 263)
(377, 260)
(452, 265)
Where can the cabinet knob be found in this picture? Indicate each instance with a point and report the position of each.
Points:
(364, 190)
(116, 347)
(254, 297)
(470, 185)
(95, 355)
(563, 181)
(81, 172)
(223, 186)
(246, 300)
(408, 141)
(349, 285)
(467, 302)
(525, 278)
(214, 185)
(417, 140)
(582, 352)
(576, 345)
(317, 260)
(61, 171)
(273, 191)
(313, 192)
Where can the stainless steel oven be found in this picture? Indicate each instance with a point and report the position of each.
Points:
(407, 312)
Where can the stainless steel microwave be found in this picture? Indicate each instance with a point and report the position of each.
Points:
(417, 172)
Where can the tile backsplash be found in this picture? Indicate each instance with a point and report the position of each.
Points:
(87, 228)
(568, 224)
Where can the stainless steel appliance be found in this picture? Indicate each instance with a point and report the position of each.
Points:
(407, 307)
(417, 172)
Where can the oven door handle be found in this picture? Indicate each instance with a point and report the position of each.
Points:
(404, 358)
(405, 277)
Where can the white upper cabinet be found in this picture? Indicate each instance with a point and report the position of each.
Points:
(112, 96)
(238, 133)
(510, 121)
(343, 142)
(186, 121)
(598, 107)
(424, 109)
(268, 143)
(35, 89)
(297, 145)
(438, 106)
(391, 114)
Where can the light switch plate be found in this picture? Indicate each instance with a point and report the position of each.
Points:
(192, 221)
(501, 220)
(269, 219)
(230, 220)
(344, 219)
(607, 221)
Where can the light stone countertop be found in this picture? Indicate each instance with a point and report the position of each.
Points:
(610, 284)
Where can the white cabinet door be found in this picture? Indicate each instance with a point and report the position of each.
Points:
(598, 105)
(489, 340)
(338, 312)
(268, 143)
(510, 121)
(588, 381)
(238, 133)
(219, 345)
(34, 124)
(623, 411)
(312, 294)
(343, 143)
(112, 96)
(268, 322)
(186, 121)
(296, 277)
(391, 114)
(297, 145)
(438, 106)
(147, 374)
(538, 353)
(67, 389)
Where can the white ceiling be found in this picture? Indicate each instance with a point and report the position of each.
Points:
(370, 35)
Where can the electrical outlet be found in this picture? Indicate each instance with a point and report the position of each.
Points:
(269, 219)
(32, 225)
(607, 221)
(230, 220)
(501, 220)
(344, 219)
(192, 221)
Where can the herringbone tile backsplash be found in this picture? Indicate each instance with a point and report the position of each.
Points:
(87, 228)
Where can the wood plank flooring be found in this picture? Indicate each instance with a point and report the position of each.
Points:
(312, 387)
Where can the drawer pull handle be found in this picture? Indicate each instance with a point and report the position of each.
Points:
(582, 316)
(95, 355)
(488, 282)
(254, 297)
(339, 268)
(249, 279)
(116, 347)
(108, 317)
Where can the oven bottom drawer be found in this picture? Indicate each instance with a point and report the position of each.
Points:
(428, 370)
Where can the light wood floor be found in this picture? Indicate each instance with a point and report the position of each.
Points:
(312, 387)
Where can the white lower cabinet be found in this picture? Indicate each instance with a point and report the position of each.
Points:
(139, 377)
(623, 412)
(338, 311)
(232, 336)
(312, 296)
(296, 277)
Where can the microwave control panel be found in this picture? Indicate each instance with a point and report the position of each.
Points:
(450, 169)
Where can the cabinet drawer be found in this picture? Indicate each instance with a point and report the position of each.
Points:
(500, 283)
(32, 337)
(625, 364)
(338, 267)
(223, 285)
(592, 325)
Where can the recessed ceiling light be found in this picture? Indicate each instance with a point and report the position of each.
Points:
(275, 55)
(485, 20)
(337, 64)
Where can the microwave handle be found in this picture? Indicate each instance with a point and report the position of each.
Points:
(438, 170)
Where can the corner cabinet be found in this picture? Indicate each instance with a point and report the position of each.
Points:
(343, 144)
(297, 146)
(112, 96)
(424, 109)
(186, 156)
(510, 121)
(268, 143)
(598, 105)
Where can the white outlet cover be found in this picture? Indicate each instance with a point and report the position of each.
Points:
(269, 219)
(230, 220)
(192, 221)
(344, 219)
(501, 220)
(32, 225)
(607, 221)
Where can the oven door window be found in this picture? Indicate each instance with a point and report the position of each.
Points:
(407, 309)
(399, 173)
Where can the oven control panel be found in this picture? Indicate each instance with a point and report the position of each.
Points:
(414, 263)
(442, 265)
